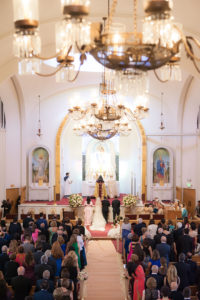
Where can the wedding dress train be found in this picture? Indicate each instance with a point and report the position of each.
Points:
(98, 221)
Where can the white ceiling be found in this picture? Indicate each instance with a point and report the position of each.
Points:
(185, 11)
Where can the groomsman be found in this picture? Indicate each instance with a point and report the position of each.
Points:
(116, 207)
(105, 207)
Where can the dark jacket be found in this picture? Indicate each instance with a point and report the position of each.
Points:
(43, 295)
(183, 271)
(184, 244)
(10, 270)
(21, 286)
(105, 205)
(116, 205)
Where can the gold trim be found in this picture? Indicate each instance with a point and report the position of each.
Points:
(144, 158)
(58, 136)
(57, 160)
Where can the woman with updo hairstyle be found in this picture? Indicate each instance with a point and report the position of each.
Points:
(73, 242)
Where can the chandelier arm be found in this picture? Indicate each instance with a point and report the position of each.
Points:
(77, 73)
(185, 42)
(47, 58)
(51, 74)
(157, 76)
(109, 22)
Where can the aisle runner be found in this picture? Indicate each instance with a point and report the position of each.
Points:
(104, 282)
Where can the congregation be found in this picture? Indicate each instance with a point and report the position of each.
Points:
(41, 260)
(159, 260)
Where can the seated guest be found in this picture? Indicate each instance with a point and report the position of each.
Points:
(11, 268)
(157, 237)
(164, 248)
(46, 276)
(151, 292)
(21, 285)
(67, 227)
(58, 233)
(43, 294)
(183, 270)
(134, 241)
(174, 293)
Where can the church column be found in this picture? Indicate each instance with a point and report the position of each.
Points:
(144, 160)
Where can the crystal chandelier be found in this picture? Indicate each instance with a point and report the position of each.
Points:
(104, 119)
(157, 47)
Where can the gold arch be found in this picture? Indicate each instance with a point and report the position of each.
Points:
(144, 160)
(57, 172)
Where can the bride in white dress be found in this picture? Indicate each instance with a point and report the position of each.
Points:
(98, 221)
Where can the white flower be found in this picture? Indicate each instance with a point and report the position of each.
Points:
(129, 200)
(75, 200)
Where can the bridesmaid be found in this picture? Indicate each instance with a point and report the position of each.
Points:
(88, 211)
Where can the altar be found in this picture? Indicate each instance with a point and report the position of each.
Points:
(88, 188)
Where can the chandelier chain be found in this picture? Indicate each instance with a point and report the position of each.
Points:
(110, 17)
(135, 7)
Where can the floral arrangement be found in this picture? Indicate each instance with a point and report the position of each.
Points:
(129, 200)
(83, 275)
(75, 200)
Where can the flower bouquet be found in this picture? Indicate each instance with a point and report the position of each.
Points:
(129, 200)
(82, 275)
(75, 200)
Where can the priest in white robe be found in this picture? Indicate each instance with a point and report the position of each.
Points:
(67, 185)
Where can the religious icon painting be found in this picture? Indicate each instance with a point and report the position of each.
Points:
(161, 166)
(40, 166)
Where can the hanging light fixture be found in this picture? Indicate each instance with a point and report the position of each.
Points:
(162, 126)
(39, 130)
(157, 45)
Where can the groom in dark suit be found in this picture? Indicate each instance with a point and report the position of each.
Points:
(116, 207)
(105, 207)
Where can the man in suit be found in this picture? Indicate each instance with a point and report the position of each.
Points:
(174, 294)
(40, 268)
(163, 248)
(3, 257)
(27, 220)
(185, 242)
(43, 293)
(15, 229)
(156, 276)
(183, 271)
(41, 220)
(105, 207)
(46, 276)
(193, 269)
(21, 285)
(116, 207)
(10, 268)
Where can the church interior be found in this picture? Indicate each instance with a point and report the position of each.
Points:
(123, 106)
